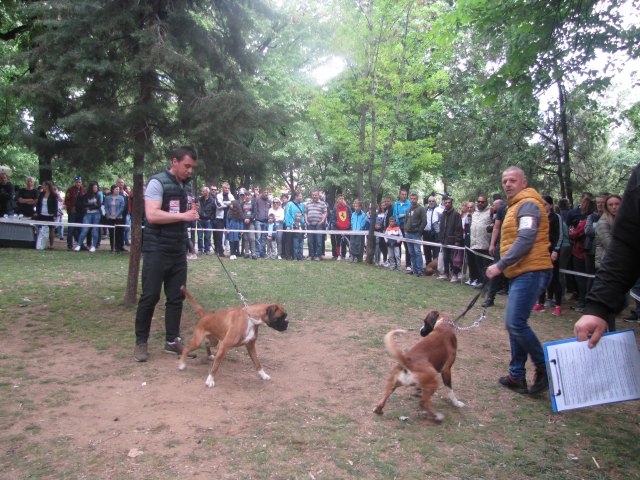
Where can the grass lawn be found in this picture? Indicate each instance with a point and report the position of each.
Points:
(73, 403)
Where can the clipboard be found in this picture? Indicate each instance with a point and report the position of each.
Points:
(582, 377)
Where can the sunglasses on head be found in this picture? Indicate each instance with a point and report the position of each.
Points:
(78, 178)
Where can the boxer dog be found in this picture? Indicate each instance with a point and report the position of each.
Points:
(431, 267)
(233, 328)
(422, 363)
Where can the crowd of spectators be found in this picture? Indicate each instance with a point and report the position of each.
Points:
(276, 227)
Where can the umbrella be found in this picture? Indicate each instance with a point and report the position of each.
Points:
(5, 169)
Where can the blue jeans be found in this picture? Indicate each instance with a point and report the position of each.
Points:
(261, 239)
(90, 218)
(127, 231)
(206, 235)
(524, 291)
(298, 243)
(72, 218)
(415, 252)
(314, 241)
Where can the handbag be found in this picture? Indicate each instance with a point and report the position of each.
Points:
(457, 258)
(42, 240)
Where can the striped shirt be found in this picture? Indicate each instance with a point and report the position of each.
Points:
(315, 211)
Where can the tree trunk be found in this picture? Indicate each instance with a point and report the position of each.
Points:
(565, 143)
(363, 130)
(131, 294)
(44, 168)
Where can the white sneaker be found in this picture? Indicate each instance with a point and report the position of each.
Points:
(279, 257)
(443, 277)
(92, 249)
(385, 264)
(548, 303)
(76, 249)
(468, 282)
(338, 259)
(454, 279)
(409, 269)
(475, 283)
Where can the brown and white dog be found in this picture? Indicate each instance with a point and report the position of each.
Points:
(422, 363)
(431, 267)
(232, 328)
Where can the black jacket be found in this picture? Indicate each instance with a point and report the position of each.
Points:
(621, 265)
(7, 200)
(450, 228)
(52, 204)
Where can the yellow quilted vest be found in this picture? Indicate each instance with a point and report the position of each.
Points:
(538, 257)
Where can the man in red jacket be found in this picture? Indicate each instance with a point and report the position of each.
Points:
(73, 192)
(341, 220)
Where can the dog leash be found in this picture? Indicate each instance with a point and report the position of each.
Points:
(232, 282)
(476, 324)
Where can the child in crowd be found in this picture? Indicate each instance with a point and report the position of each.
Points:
(358, 222)
(272, 231)
(379, 241)
(298, 236)
(393, 246)
(235, 221)
(380, 216)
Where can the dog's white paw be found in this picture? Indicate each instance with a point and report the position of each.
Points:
(263, 375)
(212, 357)
(458, 404)
(439, 417)
(182, 366)
(210, 382)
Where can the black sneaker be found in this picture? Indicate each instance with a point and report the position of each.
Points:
(176, 348)
(578, 307)
(140, 353)
(519, 386)
(503, 292)
(632, 317)
(487, 303)
(410, 272)
(540, 382)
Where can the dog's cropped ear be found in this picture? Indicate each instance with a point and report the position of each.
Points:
(429, 322)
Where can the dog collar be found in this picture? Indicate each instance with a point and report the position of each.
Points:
(446, 321)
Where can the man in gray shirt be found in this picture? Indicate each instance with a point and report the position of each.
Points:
(164, 251)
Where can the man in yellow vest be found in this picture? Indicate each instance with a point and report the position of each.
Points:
(525, 261)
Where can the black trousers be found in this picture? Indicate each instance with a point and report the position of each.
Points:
(499, 282)
(160, 269)
(430, 253)
(287, 239)
(217, 237)
(116, 235)
(481, 265)
(341, 243)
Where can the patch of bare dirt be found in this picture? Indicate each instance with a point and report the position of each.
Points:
(106, 404)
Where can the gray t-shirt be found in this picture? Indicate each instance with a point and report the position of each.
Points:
(154, 190)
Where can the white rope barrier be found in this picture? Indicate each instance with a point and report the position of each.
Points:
(346, 233)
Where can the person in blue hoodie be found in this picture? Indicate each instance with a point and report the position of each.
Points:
(358, 222)
(400, 212)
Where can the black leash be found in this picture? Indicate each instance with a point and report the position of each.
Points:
(231, 280)
(470, 306)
